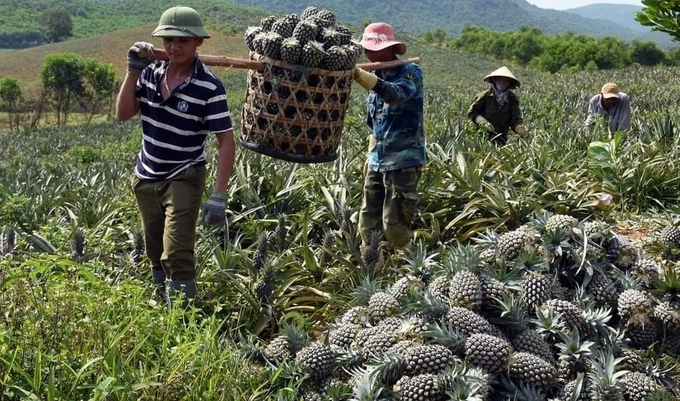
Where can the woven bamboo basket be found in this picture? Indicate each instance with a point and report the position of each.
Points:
(294, 113)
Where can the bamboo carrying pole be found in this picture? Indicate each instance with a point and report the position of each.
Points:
(225, 61)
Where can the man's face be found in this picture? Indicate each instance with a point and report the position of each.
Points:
(181, 49)
(386, 54)
(607, 102)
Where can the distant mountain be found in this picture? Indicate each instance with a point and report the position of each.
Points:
(454, 15)
(624, 16)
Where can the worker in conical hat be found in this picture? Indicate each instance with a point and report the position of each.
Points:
(496, 109)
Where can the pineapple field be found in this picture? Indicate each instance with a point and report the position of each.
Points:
(547, 269)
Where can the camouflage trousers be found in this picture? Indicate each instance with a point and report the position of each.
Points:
(389, 204)
(169, 211)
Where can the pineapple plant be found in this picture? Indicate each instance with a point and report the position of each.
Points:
(488, 352)
(7, 240)
(259, 256)
(137, 253)
(77, 245)
(312, 54)
(265, 287)
(291, 51)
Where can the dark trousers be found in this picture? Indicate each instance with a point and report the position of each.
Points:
(169, 211)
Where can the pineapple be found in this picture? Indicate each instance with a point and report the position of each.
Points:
(249, 36)
(466, 290)
(638, 386)
(621, 252)
(285, 346)
(405, 284)
(316, 359)
(561, 222)
(267, 22)
(325, 18)
(671, 235)
(334, 59)
(371, 255)
(281, 230)
(265, 287)
(535, 290)
(635, 307)
(271, 45)
(278, 350)
(466, 321)
(575, 390)
(603, 289)
(77, 246)
(291, 52)
(427, 358)
(572, 314)
(309, 12)
(305, 31)
(511, 243)
(439, 288)
(425, 387)
(343, 335)
(487, 351)
(574, 354)
(284, 26)
(382, 305)
(356, 315)
(259, 256)
(641, 336)
(646, 271)
(531, 369)
(312, 54)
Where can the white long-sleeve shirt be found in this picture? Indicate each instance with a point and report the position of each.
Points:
(618, 113)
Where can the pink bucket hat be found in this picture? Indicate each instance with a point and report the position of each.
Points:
(378, 36)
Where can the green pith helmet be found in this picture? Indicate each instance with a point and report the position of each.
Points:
(180, 21)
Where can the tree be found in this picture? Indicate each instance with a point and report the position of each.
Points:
(661, 15)
(99, 85)
(10, 96)
(646, 53)
(57, 23)
(62, 78)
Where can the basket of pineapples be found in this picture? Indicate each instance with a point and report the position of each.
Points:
(296, 103)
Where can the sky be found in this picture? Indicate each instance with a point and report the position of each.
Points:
(565, 4)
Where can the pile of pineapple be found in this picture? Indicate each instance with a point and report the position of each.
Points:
(558, 309)
(310, 39)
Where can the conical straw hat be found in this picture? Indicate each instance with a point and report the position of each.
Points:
(503, 72)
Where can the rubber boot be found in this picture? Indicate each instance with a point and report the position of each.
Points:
(185, 288)
(158, 277)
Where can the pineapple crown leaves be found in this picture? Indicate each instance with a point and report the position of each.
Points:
(365, 387)
(446, 335)
(462, 257)
(604, 373)
(487, 239)
(521, 391)
(250, 349)
(386, 368)
(667, 285)
(513, 313)
(556, 242)
(417, 258)
(424, 303)
(365, 290)
(548, 320)
(572, 347)
(295, 335)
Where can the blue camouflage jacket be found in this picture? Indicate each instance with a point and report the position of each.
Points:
(395, 114)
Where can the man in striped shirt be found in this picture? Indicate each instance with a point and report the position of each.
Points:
(181, 101)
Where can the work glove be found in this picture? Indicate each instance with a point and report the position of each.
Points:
(521, 131)
(365, 78)
(139, 56)
(214, 208)
(484, 123)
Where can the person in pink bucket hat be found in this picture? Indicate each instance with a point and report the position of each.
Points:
(396, 153)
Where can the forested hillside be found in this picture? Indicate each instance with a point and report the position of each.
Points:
(20, 26)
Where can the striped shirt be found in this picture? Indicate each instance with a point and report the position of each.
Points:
(175, 129)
